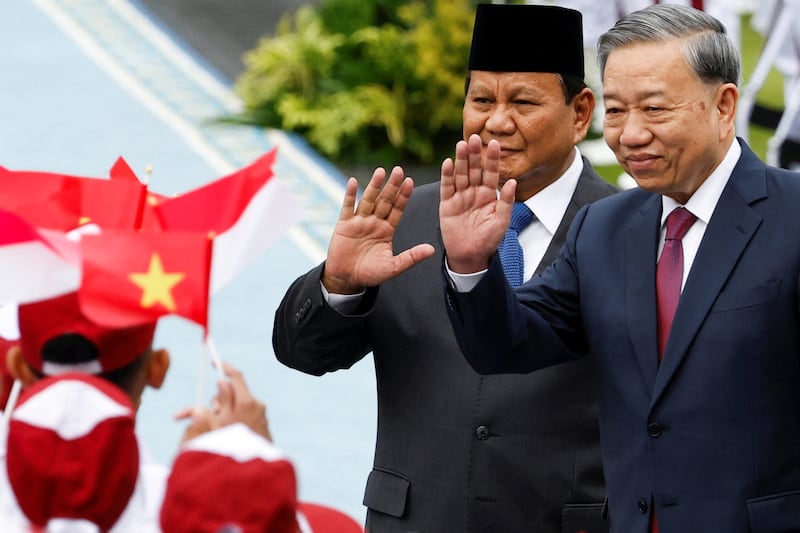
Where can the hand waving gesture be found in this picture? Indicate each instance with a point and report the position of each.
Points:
(360, 253)
(472, 215)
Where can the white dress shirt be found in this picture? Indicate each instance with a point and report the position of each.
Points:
(701, 204)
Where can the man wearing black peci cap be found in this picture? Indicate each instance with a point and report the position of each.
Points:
(455, 451)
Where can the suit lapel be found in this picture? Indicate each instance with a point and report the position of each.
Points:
(641, 245)
(590, 188)
(732, 226)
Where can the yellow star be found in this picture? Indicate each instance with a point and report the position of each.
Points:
(156, 284)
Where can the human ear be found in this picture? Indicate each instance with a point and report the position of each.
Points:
(18, 367)
(727, 97)
(157, 367)
(583, 105)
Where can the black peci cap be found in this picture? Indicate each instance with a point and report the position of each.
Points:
(527, 38)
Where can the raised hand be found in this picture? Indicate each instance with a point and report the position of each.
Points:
(473, 216)
(360, 253)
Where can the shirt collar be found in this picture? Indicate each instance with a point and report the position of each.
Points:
(550, 204)
(704, 200)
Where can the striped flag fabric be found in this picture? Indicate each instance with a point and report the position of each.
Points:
(35, 264)
(244, 212)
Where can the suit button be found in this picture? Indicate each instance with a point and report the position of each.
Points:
(654, 429)
(482, 432)
(642, 506)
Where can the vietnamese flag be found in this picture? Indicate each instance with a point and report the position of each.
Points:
(63, 202)
(133, 277)
(244, 212)
(35, 264)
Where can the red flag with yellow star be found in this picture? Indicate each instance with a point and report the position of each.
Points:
(135, 277)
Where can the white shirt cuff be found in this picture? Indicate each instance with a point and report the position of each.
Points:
(464, 282)
(346, 304)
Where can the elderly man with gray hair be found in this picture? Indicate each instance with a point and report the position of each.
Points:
(685, 289)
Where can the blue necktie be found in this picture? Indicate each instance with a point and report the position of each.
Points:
(510, 250)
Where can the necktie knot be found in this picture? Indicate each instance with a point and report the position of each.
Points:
(521, 217)
(678, 223)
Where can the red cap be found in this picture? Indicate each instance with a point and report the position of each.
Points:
(230, 479)
(72, 452)
(42, 321)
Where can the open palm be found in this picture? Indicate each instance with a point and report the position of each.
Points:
(360, 253)
(472, 217)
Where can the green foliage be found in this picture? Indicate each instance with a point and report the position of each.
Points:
(364, 81)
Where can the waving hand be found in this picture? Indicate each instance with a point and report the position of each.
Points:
(472, 214)
(360, 253)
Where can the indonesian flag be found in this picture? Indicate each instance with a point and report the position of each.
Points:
(62, 202)
(244, 212)
(35, 264)
(136, 277)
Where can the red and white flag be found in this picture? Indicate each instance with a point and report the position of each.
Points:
(35, 264)
(244, 212)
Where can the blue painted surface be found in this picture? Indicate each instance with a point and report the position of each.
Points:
(83, 82)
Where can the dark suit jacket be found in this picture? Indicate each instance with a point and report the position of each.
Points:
(455, 451)
(713, 435)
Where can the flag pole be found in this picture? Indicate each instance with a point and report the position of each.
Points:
(200, 400)
(12, 401)
(214, 354)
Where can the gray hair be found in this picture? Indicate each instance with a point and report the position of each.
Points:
(706, 46)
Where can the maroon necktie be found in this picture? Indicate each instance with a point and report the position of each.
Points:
(669, 273)
(669, 276)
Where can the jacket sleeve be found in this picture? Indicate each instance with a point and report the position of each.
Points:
(504, 330)
(310, 336)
